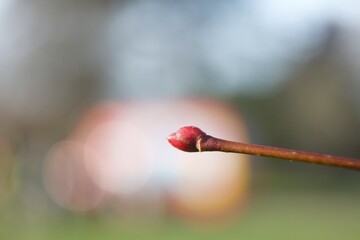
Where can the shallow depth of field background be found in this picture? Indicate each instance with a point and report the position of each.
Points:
(89, 90)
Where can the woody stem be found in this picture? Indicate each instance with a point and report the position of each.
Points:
(209, 143)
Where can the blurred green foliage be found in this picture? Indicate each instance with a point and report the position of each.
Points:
(280, 215)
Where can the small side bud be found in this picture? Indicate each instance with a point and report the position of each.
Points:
(186, 138)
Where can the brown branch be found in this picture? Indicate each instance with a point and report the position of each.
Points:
(192, 139)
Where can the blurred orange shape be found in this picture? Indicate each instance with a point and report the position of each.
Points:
(128, 154)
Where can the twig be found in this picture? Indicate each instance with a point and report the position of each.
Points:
(192, 139)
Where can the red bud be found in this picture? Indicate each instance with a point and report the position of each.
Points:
(185, 138)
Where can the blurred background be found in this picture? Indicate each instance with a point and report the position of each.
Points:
(89, 91)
